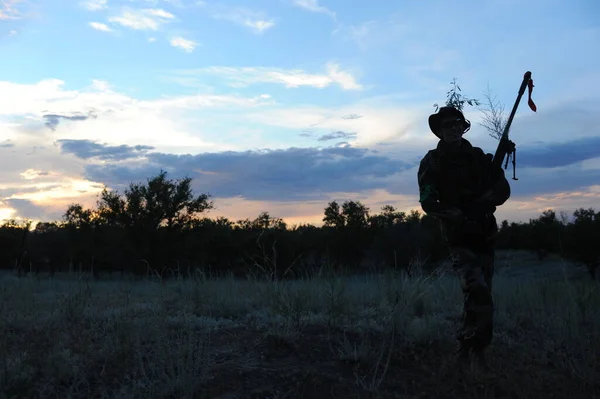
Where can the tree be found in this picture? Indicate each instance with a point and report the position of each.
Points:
(352, 214)
(13, 241)
(387, 218)
(265, 221)
(413, 217)
(45, 227)
(77, 217)
(545, 233)
(333, 216)
(355, 214)
(583, 236)
(112, 209)
(160, 202)
(582, 215)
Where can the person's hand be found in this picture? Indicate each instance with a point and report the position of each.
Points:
(484, 204)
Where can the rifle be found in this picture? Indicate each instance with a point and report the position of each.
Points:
(506, 147)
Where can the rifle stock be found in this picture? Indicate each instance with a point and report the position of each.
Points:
(506, 148)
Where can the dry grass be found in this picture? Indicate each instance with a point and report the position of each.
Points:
(385, 336)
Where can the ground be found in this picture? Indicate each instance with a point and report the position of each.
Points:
(379, 336)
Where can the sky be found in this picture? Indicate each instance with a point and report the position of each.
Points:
(285, 105)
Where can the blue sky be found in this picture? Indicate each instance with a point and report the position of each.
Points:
(285, 105)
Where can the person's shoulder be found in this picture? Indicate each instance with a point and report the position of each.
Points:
(430, 154)
(429, 163)
(476, 149)
(429, 157)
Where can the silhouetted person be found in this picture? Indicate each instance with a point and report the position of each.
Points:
(459, 185)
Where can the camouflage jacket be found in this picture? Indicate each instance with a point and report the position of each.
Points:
(456, 180)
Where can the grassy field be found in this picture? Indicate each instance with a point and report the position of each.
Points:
(385, 336)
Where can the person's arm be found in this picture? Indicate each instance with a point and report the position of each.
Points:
(496, 190)
(428, 191)
(499, 191)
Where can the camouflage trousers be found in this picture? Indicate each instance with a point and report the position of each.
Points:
(475, 269)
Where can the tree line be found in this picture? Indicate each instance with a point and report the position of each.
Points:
(161, 228)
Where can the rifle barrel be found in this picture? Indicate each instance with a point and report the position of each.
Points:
(501, 150)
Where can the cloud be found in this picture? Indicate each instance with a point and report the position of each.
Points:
(132, 139)
(572, 119)
(258, 22)
(42, 193)
(19, 189)
(146, 19)
(259, 26)
(87, 149)
(171, 125)
(540, 182)
(184, 44)
(52, 120)
(381, 121)
(47, 201)
(100, 26)
(53, 184)
(94, 5)
(27, 209)
(7, 144)
(282, 175)
(9, 10)
(290, 78)
(18, 99)
(32, 174)
(371, 35)
(337, 135)
(205, 101)
(157, 12)
(559, 154)
(30, 115)
(100, 85)
(312, 174)
(313, 6)
(176, 3)
(98, 99)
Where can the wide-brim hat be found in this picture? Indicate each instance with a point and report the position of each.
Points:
(435, 120)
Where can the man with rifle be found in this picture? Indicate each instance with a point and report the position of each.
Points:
(462, 186)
